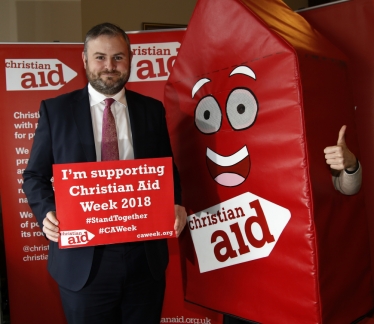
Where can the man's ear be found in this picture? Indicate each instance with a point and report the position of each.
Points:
(84, 59)
(130, 56)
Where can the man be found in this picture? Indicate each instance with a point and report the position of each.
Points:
(118, 283)
(346, 170)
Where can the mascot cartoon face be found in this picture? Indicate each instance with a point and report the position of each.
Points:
(238, 111)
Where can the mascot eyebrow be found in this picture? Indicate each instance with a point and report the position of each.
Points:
(238, 70)
(244, 70)
(198, 85)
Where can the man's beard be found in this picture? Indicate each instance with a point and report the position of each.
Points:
(108, 86)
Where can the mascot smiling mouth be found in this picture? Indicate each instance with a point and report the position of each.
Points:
(229, 171)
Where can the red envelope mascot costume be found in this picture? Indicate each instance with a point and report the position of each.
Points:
(254, 97)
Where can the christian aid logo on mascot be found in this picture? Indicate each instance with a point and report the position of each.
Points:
(152, 61)
(37, 74)
(241, 229)
(75, 237)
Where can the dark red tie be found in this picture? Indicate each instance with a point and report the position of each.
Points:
(109, 144)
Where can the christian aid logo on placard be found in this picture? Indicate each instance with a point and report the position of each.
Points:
(75, 237)
(238, 230)
(36, 74)
(152, 61)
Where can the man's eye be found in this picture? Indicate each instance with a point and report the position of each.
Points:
(118, 58)
(99, 57)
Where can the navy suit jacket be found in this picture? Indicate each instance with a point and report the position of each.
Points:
(65, 135)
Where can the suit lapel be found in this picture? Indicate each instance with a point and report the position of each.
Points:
(83, 120)
(136, 114)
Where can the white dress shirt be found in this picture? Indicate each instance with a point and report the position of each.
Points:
(121, 116)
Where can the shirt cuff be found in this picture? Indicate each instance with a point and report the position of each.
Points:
(355, 170)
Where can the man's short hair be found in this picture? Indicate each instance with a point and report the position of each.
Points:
(106, 29)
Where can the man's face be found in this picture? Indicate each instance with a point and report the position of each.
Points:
(107, 63)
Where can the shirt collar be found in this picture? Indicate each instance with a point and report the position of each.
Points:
(97, 97)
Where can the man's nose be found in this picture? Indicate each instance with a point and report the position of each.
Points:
(111, 64)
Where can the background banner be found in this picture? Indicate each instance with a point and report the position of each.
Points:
(33, 72)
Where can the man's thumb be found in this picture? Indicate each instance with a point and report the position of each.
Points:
(341, 138)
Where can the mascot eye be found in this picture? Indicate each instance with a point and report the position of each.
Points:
(241, 108)
(208, 115)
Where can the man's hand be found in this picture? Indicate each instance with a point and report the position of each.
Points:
(180, 219)
(50, 226)
(339, 157)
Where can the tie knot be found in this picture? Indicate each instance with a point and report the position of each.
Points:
(108, 102)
